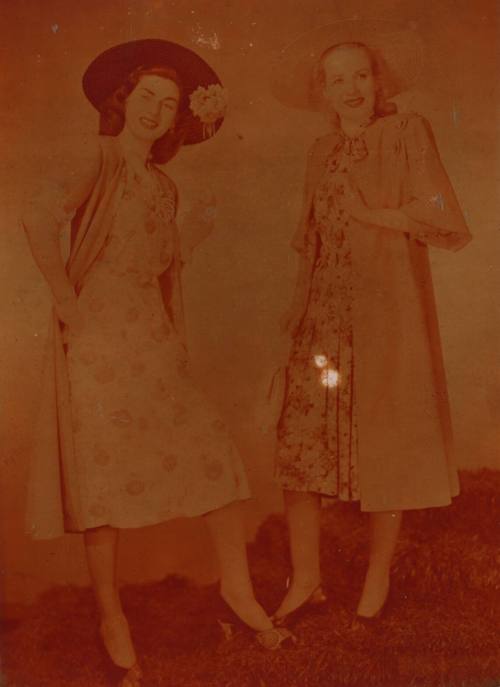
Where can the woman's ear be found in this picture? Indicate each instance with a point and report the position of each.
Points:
(176, 122)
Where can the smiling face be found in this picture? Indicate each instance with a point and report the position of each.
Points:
(151, 108)
(349, 83)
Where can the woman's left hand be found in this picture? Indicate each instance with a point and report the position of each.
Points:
(197, 223)
(200, 218)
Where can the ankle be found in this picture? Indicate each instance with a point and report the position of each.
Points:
(236, 594)
(112, 621)
(112, 613)
(307, 582)
(380, 572)
(246, 607)
(375, 593)
(110, 605)
(115, 633)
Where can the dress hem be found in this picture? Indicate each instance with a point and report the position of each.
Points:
(365, 508)
(146, 523)
(194, 513)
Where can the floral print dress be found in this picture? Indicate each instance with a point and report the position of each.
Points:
(147, 445)
(366, 415)
(317, 431)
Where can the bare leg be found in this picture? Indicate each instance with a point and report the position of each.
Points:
(101, 549)
(384, 533)
(228, 535)
(303, 515)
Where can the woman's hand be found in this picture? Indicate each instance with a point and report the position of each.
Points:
(69, 313)
(350, 200)
(199, 221)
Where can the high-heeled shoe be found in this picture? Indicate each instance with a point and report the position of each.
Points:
(314, 603)
(369, 620)
(230, 622)
(132, 678)
(115, 635)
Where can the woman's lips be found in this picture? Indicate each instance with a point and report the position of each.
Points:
(148, 123)
(354, 102)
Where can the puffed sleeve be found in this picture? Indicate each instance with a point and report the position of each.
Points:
(59, 192)
(429, 200)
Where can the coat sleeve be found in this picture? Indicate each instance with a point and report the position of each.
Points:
(429, 200)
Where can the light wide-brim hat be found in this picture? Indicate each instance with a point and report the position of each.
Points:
(397, 49)
(203, 99)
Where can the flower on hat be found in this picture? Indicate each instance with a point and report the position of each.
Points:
(209, 104)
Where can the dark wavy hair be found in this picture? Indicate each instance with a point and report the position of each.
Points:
(112, 113)
(380, 71)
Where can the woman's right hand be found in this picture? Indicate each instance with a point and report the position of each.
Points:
(69, 313)
(290, 321)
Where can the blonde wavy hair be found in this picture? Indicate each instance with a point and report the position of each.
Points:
(381, 74)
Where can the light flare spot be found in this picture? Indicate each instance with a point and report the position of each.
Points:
(320, 361)
(438, 200)
(330, 378)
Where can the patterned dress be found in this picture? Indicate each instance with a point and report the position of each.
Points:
(366, 413)
(317, 431)
(148, 447)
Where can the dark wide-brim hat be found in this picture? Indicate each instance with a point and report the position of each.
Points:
(397, 49)
(111, 69)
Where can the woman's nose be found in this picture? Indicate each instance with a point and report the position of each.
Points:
(154, 110)
(352, 88)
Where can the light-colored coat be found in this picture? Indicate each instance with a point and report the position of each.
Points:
(53, 495)
(405, 456)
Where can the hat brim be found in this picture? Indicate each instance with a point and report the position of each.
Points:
(111, 68)
(397, 47)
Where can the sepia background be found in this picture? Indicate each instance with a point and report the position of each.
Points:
(240, 279)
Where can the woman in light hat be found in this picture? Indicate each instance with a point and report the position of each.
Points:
(365, 415)
(124, 437)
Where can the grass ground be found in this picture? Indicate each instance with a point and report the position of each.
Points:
(442, 628)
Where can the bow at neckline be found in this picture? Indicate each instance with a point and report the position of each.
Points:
(355, 148)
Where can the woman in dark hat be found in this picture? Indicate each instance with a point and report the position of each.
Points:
(365, 415)
(124, 437)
